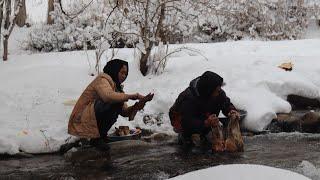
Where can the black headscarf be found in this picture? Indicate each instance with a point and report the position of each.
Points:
(207, 83)
(112, 68)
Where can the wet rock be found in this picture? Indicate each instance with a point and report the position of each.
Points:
(152, 119)
(88, 156)
(299, 102)
(301, 121)
(123, 147)
(310, 122)
(158, 137)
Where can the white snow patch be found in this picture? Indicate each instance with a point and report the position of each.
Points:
(241, 172)
(308, 169)
(35, 86)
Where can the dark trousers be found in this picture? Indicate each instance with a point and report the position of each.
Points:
(106, 115)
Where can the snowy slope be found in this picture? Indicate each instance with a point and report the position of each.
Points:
(34, 119)
(241, 172)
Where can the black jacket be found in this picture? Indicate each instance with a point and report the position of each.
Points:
(194, 110)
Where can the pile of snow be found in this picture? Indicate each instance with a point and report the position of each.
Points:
(34, 119)
(241, 172)
(308, 169)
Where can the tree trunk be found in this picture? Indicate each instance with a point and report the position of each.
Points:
(22, 15)
(144, 60)
(5, 49)
(145, 34)
(1, 17)
(50, 9)
(160, 30)
(6, 27)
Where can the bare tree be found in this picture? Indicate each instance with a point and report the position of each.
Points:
(1, 15)
(9, 23)
(148, 16)
(50, 9)
(22, 15)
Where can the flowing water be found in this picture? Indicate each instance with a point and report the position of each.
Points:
(162, 160)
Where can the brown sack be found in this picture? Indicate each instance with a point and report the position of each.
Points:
(234, 141)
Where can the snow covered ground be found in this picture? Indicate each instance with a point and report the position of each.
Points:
(35, 86)
(241, 172)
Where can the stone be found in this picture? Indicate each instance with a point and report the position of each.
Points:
(301, 121)
(310, 122)
(299, 102)
(158, 137)
(88, 156)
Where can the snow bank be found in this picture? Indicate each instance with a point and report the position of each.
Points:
(241, 172)
(34, 119)
(308, 169)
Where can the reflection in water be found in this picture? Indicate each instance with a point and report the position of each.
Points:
(161, 161)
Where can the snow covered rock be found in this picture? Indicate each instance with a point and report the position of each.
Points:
(301, 121)
(241, 172)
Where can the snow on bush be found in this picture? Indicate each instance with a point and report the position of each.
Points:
(82, 26)
(266, 19)
(120, 22)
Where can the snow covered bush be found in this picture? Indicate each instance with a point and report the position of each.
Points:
(65, 33)
(148, 23)
(81, 27)
(154, 22)
(123, 23)
(266, 19)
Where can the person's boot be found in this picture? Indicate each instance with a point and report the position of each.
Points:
(234, 141)
(183, 141)
(196, 140)
(100, 144)
(205, 143)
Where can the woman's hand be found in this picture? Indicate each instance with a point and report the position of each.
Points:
(212, 120)
(234, 113)
(135, 96)
(140, 105)
(142, 102)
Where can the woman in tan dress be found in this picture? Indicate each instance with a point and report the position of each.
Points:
(102, 101)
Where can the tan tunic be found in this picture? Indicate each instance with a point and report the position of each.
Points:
(82, 122)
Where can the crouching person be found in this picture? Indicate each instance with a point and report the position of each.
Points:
(195, 113)
(101, 103)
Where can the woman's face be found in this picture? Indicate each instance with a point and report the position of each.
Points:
(216, 92)
(122, 75)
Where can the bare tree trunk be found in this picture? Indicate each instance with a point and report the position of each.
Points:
(50, 9)
(22, 15)
(145, 34)
(160, 30)
(5, 49)
(144, 60)
(9, 23)
(6, 27)
(1, 16)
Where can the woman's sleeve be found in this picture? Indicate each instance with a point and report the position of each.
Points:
(227, 106)
(125, 110)
(107, 94)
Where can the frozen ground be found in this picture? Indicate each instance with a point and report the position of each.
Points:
(35, 86)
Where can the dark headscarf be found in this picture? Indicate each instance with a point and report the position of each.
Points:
(112, 68)
(207, 83)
